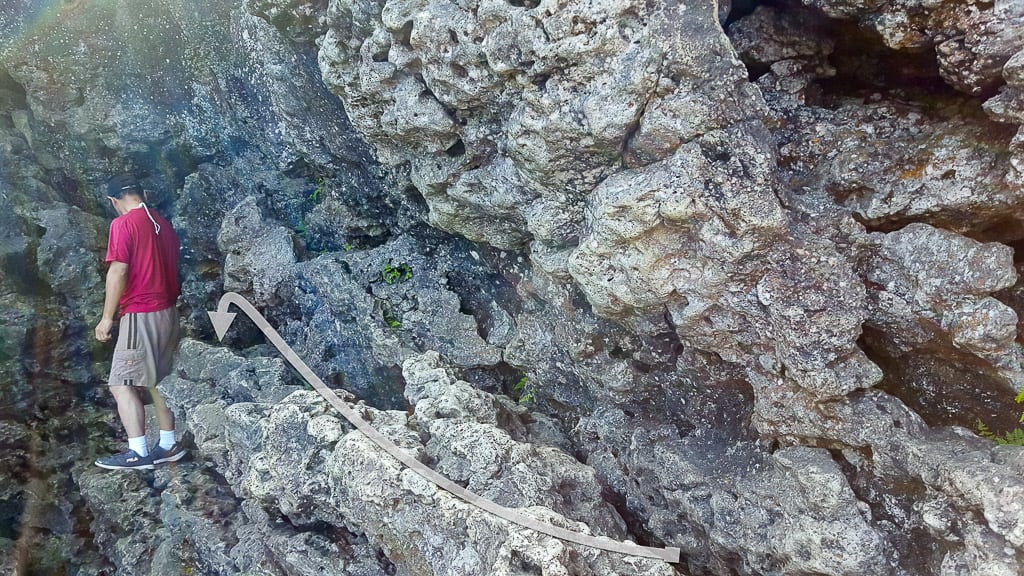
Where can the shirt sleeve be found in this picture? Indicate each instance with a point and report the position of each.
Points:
(119, 247)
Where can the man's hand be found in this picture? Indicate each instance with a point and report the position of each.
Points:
(103, 330)
(117, 281)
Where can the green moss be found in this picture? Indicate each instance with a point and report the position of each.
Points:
(399, 273)
(1014, 437)
(390, 319)
(318, 192)
(525, 391)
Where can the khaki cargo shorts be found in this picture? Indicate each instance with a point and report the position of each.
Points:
(144, 352)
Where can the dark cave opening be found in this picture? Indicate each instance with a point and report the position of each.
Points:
(864, 65)
(922, 380)
(741, 8)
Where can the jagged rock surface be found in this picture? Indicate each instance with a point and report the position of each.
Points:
(746, 280)
(295, 458)
(158, 89)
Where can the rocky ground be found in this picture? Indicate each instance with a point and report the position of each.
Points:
(735, 278)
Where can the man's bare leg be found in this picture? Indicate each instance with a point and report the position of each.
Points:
(167, 449)
(131, 410)
(163, 414)
(133, 417)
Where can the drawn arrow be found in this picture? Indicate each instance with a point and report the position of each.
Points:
(222, 320)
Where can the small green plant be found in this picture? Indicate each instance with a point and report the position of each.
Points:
(527, 393)
(318, 192)
(1014, 437)
(399, 273)
(301, 228)
(390, 319)
(348, 247)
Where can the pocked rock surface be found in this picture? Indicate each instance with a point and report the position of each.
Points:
(735, 279)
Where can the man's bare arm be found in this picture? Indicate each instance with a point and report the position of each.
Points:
(117, 281)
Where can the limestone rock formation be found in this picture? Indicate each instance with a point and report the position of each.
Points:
(293, 457)
(509, 115)
(736, 279)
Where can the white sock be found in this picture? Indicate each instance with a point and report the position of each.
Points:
(167, 439)
(139, 445)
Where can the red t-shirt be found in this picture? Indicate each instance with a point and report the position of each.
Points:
(152, 260)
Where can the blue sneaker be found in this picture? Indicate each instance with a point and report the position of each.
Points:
(172, 454)
(126, 461)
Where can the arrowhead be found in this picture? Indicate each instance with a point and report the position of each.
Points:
(221, 322)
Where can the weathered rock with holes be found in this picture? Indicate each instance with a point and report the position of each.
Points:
(949, 346)
(187, 520)
(373, 308)
(887, 444)
(510, 115)
(733, 507)
(684, 293)
(923, 275)
(299, 459)
(1008, 106)
(630, 274)
(973, 62)
(628, 258)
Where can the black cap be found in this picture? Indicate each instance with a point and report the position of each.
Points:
(123, 184)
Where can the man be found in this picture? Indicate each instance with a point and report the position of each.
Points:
(143, 282)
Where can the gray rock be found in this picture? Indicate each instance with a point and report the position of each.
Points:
(66, 256)
(299, 459)
(936, 464)
(298, 19)
(503, 139)
(935, 169)
(12, 240)
(974, 61)
(126, 519)
(920, 287)
(714, 275)
(454, 516)
(258, 255)
(769, 35)
(1008, 105)
(400, 300)
(626, 261)
(733, 507)
(932, 314)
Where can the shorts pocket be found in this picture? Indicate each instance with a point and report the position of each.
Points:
(129, 367)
